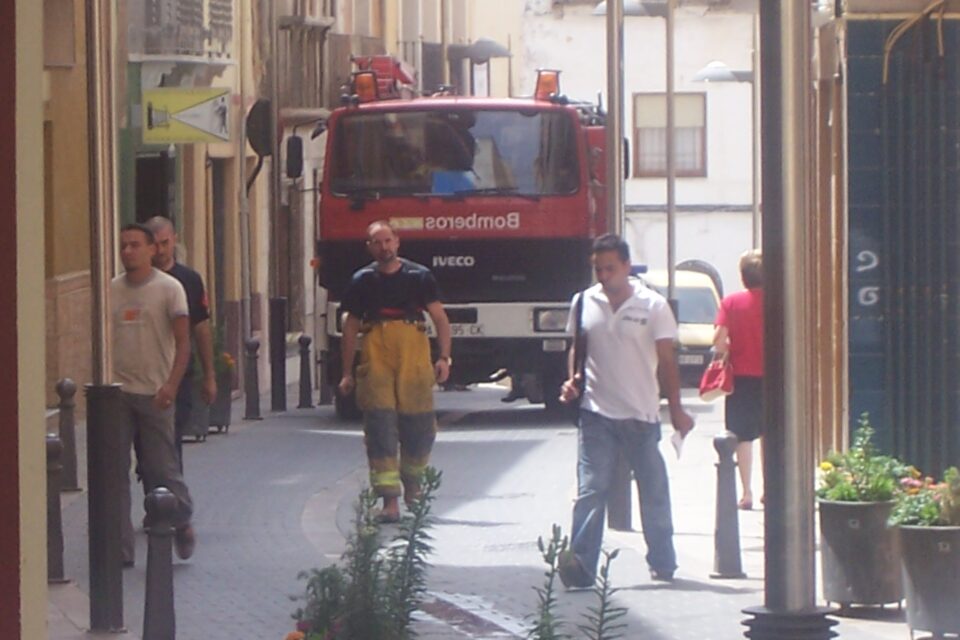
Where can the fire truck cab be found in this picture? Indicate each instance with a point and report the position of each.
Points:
(500, 198)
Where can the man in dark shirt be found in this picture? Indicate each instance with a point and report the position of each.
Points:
(165, 260)
(386, 301)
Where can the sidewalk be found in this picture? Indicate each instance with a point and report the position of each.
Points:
(275, 497)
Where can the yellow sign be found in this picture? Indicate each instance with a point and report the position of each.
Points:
(184, 115)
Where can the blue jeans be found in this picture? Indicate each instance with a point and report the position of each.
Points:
(599, 441)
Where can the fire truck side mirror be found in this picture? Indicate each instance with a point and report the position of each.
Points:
(258, 128)
(294, 157)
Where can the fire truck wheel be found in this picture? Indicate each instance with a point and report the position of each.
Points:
(346, 407)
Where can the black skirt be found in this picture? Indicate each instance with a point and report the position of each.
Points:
(744, 408)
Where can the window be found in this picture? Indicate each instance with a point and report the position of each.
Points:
(650, 134)
(491, 152)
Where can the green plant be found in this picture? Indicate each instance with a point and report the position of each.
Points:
(223, 361)
(548, 625)
(602, 620)
(375, 591)
(860, 474)
(927, 503)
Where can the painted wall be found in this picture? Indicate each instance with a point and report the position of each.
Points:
(65, 115)
(714, 212)
(30, 326)
(503, 25)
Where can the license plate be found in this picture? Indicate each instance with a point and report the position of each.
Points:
(462, 330)
(690, 359)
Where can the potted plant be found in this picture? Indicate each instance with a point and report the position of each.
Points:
(224, 366)
(859, 552)
(928, 517)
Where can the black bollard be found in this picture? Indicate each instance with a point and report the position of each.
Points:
(159, 616)
(67, 389)
(278, 354)
(306, 388)
(251, 379)
(105, 475)
(618, 497)
(54, 521)
(726, 533)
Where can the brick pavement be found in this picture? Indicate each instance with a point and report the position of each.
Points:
(274, 497)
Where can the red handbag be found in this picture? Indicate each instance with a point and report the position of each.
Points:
(717, 380)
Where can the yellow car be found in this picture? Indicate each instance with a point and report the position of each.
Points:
(697, 303)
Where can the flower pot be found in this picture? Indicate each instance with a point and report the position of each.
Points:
(197, 423)
(220, 409)
(931, 577)
(859, 553)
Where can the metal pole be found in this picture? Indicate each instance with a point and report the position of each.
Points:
(790, 609)
(275, 134)
(726, 532)
(100, 128)
(755, 114)
(103, 399)
(54, 519)
(66, 390)
(306, 388)
(671, 164)
(243, 199)
(618, 500)
(614, 127)
(159, 613)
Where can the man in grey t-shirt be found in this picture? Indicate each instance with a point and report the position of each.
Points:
(151, 347)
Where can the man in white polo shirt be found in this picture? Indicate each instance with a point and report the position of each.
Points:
(628, 332)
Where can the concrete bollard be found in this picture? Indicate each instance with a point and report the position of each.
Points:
(106, 473)
(619, 509)
(67, 389)
(159, 615)
(306, 388)
(54, 521)
(251, 379)
(726, 533)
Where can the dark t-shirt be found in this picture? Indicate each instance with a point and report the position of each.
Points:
(196, 294)
(196, 301)
(404, 294)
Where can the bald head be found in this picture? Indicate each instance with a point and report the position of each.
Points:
(166, 239)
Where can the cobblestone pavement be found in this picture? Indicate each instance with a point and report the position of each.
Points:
(275, 497)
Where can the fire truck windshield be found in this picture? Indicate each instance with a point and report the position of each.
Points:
(455, 153)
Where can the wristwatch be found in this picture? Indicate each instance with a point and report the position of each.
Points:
(447, 358)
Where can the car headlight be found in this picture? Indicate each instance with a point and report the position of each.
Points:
(550, 319)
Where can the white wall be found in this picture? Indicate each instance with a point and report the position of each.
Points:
(570, 39)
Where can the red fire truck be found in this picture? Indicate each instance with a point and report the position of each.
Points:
(498, 197)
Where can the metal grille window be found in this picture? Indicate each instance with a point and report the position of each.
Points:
(650, 134)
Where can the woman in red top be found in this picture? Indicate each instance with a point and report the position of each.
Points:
(740, 334)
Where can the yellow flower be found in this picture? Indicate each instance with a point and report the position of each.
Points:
(826, 466)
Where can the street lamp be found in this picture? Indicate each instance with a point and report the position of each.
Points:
(663, 9)
(717, 71)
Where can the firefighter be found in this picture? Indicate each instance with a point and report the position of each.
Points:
(385, 302)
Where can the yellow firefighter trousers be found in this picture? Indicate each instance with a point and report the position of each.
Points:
(395, 381)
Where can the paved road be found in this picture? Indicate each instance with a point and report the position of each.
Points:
(275, 497)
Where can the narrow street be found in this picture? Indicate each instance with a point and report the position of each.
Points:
(276, 497)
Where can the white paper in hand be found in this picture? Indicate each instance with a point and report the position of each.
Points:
(677, 441)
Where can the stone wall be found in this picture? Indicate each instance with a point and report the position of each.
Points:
(69, 334)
